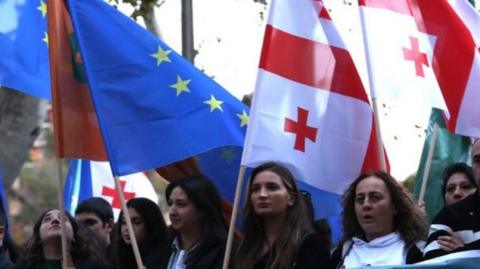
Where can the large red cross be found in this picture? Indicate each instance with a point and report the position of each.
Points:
(113, 193)
(416, 56)
(301, 129)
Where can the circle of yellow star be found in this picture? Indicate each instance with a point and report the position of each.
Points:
(228, 154)
(161, 55)
(43, 8)
(214, 103)
(243, 118)
(181, 85)
(45, 38)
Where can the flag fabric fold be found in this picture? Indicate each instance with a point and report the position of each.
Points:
(23, 47)
(153, 106)
(310, 110)
(86, 179)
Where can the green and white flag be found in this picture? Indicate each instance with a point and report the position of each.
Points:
(449, 148)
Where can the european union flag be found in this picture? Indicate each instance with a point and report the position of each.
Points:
(24, 47)
(154, 107)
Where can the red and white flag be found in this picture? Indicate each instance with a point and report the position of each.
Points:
(86, 179)
(310, 110)
(456, 26)
(425, 51)
(398, 55)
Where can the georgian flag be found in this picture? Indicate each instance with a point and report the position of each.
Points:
(398, 55)
(310, 110)
(426, 52)
(86, 179)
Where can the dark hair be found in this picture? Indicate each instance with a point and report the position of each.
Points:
(79, 248)
(206, 200)
(454, 168)
(155, 244)
(283, 249)
(409, 221)
(97, 206)
(320, 226)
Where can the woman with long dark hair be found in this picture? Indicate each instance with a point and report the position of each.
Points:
(381, 224)
(43, 249)
(150, 232)
(275, 232)
(198, 225)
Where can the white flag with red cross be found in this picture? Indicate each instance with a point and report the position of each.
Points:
(310, 110)
(427, 52)
(86, 179)
(398, 55)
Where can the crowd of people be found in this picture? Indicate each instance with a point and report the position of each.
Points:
(382, 225)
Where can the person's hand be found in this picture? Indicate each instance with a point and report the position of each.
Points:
(421, 206)
(450, 242)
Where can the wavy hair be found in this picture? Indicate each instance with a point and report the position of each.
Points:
(409, 221)
(283, 249)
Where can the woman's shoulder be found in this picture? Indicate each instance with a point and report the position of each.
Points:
(312, 252)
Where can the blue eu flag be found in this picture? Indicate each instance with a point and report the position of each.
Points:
(153, 106)
(24, 47)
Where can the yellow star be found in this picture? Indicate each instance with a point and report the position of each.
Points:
(228, 154)
(243, 118)
(43, 8)
(181, 85)
(214, 103)
(45, 38)
(161, 55)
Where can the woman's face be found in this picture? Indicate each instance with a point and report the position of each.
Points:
(50, 229)
(458, 187)
(183, 214)
(269, 195)
(138, 224)
(374, 208)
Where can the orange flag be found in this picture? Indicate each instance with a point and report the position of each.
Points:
(76, 130)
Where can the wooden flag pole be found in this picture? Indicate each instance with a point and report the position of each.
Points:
(61, 206)
(428, 163)
(376, 120)
(128, 221)
(233, 218)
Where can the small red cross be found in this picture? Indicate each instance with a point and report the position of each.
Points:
(416, 56)
(106, 191)
(301, 129)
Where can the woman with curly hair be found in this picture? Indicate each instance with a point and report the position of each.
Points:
(276, 235)
(382, 225)
(44, 250)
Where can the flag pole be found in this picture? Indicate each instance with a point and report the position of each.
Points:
(128, 221)
(428, 163)
(61, 206)
(233, 218)
(376, 121)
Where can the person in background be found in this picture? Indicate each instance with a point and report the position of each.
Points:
(382, 225)
(5, 260)
(199, 229)
(458, 183)
(319, 226)
(150, 232)
(275, 232)
(43, 249)
(456, 227)
(95, 216)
